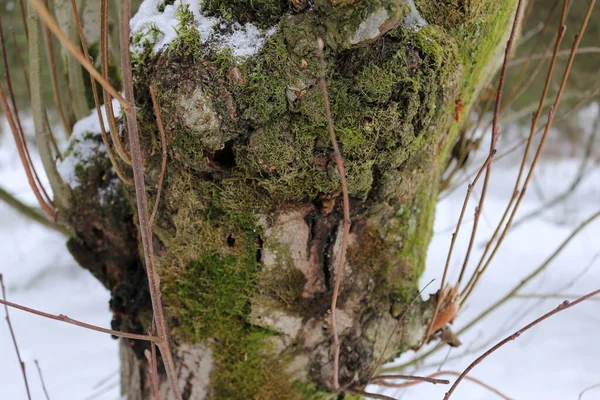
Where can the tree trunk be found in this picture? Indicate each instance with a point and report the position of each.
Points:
(248, 229)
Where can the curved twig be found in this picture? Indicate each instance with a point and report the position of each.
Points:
(563, 306)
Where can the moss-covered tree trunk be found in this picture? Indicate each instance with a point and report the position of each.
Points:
(247, 233)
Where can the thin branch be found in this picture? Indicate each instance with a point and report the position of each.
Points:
(49, 21)
(589, 146)
(480, 266)
(54, 79)
(549, 296)
(507, 296)
(111, 154)
(428, 379)
(561, 54)
(61, 191)
(31, 213)
(47, 208)
(64, 318)
(142, 206)
(163, 142)
(13, 101)
(488, 169)
(340, 166)
(37, 365)
(105, 67)
(587, 389)
(370, 395)
(14, 340)
(19, 57)
(474, 380)
(23, 19)
(578, 37)
(563, 306)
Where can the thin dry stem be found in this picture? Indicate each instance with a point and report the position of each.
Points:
(163, 143)
(111, 154)
(495, 137)
(551, 114)
(506, 297)
(479, 270)
(20, 58)
(563, 306)
(43, 136)
(110, 113)
(474, 380)
(15, 107)
(346, 230)
(587, 389)
(54, 79)
(142, 206)
(49, 21)
(37, 365)
(47, 208)
(368, 395)
(561, 54)
(64, 318)
(14, 340)
(382, 379)
(33, 214)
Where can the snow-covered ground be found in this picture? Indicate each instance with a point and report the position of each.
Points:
(555, 360)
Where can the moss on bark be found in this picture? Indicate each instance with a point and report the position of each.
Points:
(248, 230)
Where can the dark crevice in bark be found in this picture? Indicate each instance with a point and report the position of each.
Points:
(259, 242)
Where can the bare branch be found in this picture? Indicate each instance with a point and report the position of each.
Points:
(563, 306)
(37, 365)
(142, 205)
(587, 389)
(30, 212)
(14, 340)
(488, 168)
(340, 166)
(49, 21)
(111, 154)
(62, 192)
(54, 79)
(163, 143)
(427, 379)
(64, 318)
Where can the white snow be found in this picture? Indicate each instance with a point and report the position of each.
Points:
(244, 40)
(414, 19)
(554, 361)
(39, 272)
(84, 144)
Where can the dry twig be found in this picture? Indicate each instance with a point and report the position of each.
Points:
(14, 340)
(37, 365)
(563, 306)
(340, 166)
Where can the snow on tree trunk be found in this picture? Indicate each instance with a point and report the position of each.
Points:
(248, 229)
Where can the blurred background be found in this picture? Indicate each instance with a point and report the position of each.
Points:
(556, 360)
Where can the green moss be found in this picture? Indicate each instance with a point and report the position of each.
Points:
(187, 43)
(383, 99)
(263, 13)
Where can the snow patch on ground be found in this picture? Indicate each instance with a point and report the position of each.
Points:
(244, 40)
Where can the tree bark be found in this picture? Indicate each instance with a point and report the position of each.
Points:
(248, 229)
